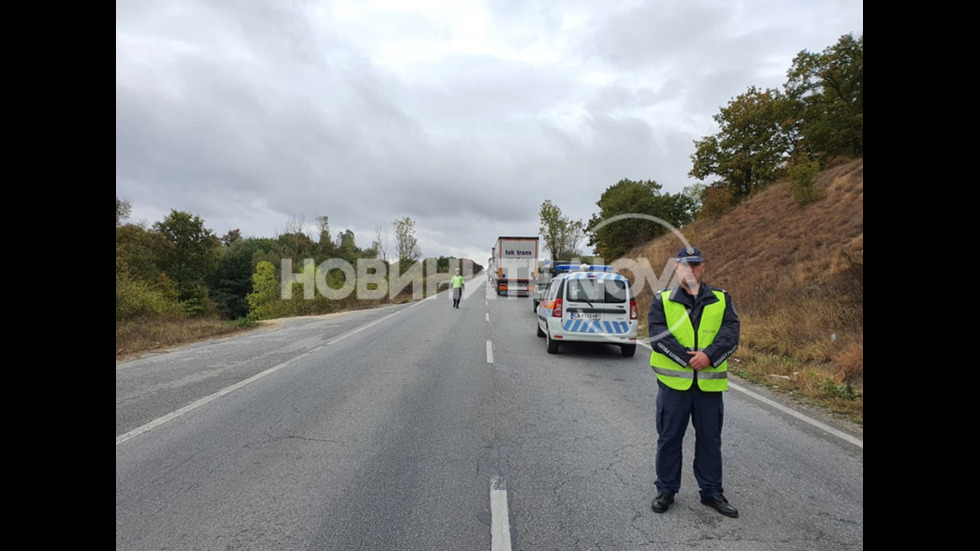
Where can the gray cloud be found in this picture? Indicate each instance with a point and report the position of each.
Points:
(257, 114)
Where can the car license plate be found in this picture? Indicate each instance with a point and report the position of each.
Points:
(584, 316)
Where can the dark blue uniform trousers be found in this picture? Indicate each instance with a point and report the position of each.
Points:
(706, 411)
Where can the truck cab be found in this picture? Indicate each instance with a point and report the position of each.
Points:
(546, 272)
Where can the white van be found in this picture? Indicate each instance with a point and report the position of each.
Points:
(592, 303)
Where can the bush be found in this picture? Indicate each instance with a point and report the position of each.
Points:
(716, 199)
(801, 175)
(139, 300)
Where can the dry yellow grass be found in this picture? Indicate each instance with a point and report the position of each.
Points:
(140, 336)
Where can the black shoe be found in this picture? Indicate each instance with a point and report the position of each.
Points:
(662, 502)
(721, 505)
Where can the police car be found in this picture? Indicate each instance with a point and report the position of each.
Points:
(588, 303)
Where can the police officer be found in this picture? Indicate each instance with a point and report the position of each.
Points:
(457, 284)
(693, 329)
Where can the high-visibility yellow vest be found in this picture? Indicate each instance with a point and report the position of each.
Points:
(674, 375)
(457, 281)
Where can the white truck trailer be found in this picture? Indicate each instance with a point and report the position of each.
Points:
(514, 265)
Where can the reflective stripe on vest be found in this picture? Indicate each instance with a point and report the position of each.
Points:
(674, 375)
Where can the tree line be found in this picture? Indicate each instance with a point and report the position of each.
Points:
(178, 268)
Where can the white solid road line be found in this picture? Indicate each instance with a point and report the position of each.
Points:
(194, 405)
(499, 517)
(840, 434)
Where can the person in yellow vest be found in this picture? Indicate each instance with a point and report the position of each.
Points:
(693, 329)
(457, 284)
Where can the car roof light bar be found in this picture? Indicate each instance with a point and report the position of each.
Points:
(584, 268)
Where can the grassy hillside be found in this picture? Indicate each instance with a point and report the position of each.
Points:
(796, 275)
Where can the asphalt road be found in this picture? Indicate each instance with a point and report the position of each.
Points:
(423, 427)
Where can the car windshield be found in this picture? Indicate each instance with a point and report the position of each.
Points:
(596, 290)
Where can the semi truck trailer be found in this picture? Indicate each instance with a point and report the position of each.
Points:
(514, 265)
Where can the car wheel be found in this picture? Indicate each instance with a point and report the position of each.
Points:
(540, 332)
(629, 350)
(552, 345)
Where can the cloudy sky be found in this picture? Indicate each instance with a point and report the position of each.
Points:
(261, 115)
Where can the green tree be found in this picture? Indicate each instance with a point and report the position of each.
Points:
(192, 254)
(142, 289)
(140, 252)
(123, 210)
(296, 245)
(678, 209)
(828, 92)
(716, 200)
(695, 195)
(801, 175)
(380, 243)
(325, 247)
(754, 142)
(233, 236)
(265, 291)
(323, 226)
(764, 133)
(231, 282)
(624, 218)
(561, 234)
(347, 246)
(406, 244)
